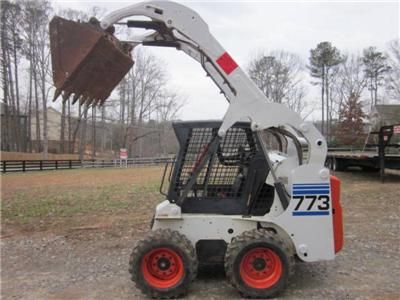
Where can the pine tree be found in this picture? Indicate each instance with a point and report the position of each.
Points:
(375, 68)
(322, 60)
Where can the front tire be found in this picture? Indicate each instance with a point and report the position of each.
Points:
(163, 264)
(258, 264)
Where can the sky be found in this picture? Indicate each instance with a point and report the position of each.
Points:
(247, 27)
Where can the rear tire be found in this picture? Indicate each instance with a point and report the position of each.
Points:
(258, 264)
(163, 264)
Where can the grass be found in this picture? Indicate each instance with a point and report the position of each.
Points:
(28, 198)
(47, 202)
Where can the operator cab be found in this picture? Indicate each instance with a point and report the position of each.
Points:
(233, 178)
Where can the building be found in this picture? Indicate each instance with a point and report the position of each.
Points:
(383, 115)
(53, 130)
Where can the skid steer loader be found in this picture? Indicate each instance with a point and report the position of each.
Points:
(250, 191)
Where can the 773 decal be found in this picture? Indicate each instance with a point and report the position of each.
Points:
(311, 199)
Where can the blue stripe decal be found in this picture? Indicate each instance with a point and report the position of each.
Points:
(311, 187)
(310, 184)
(311, 192)
(310, 213)
(316, 190)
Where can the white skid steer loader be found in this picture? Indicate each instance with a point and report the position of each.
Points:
(250, 191)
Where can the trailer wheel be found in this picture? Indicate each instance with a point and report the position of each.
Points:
(338, 165)
(258, 264)
(329, 163)
(163, 264)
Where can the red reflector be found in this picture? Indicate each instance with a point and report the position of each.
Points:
(226, 62)
(337, 214)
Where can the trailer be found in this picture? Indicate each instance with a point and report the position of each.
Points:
(384, 154)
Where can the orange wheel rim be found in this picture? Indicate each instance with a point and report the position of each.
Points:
(260, 268)
(162, 268)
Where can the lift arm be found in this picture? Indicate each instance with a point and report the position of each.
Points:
(178, 26)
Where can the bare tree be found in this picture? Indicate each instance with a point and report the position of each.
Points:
(279, 76)
(349, 81)
(44, 67)
(11, 44)
(393, 78)
(168, 105)
(36, 38)
(144, 96)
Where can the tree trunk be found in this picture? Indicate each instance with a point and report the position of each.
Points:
(93, 132)
(62, 129)
(75, 133)
(132, 120)
(376, 89)
(30, 107)
(7, 121)
(14, 115)
(372, 93)
(103, 127)
(70, 144)
(82, 138)
(20, 139)
(18, 128)
(328, 129)
(44, 102)
(45, 137)
(35, 84)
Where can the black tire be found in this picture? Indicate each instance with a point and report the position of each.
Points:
(329, 163)
(241, 247)
(183, 258)
(338, 165)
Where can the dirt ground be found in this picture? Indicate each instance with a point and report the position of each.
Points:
(69, 234)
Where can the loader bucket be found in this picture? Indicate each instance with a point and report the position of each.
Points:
(87, 61)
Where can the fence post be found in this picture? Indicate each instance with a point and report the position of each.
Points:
(41, 165)
(56, 164)
(23, 166)
(70, 164)
(4, 166)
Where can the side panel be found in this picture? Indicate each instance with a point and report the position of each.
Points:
(308, 218)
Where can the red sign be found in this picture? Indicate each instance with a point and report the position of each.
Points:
(226, 62)
(396, 129)
(123, 153)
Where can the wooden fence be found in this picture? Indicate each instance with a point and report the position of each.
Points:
(46, 165)
(126, 163)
